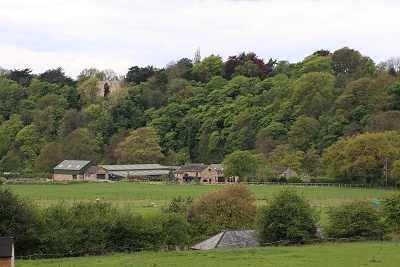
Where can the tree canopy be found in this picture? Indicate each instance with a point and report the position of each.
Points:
(204, 110)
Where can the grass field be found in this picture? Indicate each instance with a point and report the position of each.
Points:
(141, 196)
(330, 254)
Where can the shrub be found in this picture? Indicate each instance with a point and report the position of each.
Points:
(323, 180)
(288, 217)
(391, 212)
(3, 180)
(231, 208)
(294, 179)
(354, 218)
(19, 218)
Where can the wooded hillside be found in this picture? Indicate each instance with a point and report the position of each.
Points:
(333, 114)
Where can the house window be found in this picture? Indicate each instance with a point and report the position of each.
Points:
(74, 177)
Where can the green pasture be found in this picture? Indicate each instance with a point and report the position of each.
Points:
(377, 253)
(147, 196)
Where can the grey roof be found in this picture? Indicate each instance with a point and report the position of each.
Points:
(140, 173)
(191, 168)
(229, 239)
(134, 167)
(279, 170)
(73, 164)
(6, 247)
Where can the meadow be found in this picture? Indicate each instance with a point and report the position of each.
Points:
(143, 196)
(376, 253)
(146, 198)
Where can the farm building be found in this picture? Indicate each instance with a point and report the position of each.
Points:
(6, 252)
(74, 170)
(139, 172)
(203, 173)
(86, 170)
(284, 172)
(229, 239)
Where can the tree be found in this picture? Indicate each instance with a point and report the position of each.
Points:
(354, 218)
(22, 77)
(19, 219)
(210, 66)
(141, 146)
(86, 74)
(56, 76)
(248, 64)
(230, 208)
(29, 142)
(288, 217)
(8, 131)
(361, 157)
(88, 91)
(11, 97)
(303, 133)
(50, 155)
(138, 75)
(240, 163)
(81, 145)
(314, 93)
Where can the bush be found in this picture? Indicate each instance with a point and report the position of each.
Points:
(3, 180)
(391, 212)
(354, 218)
(294, 179)
(233, 207)
(19, 219)
(321, 180)
(289, 217)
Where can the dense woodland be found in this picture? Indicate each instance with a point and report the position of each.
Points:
(334, 115)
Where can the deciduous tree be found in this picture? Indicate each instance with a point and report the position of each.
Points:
(288, 217)
(230, 208)
(141, 146)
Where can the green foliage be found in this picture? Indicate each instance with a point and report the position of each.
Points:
(354, 218)
(288, 217)
(19, 219)
(362, 156)
(141, 146)
(179, 205)
(202, 112)
(391, 212)
(294, 179)
(241, 163)
(230, 208)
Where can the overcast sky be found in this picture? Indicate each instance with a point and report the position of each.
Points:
(119, 34)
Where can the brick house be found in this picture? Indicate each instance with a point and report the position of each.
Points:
(188, 172)
(210, 174)
(213, 174)
(71, 170)
(96, 173)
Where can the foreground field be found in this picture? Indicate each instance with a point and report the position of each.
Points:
(332, 254)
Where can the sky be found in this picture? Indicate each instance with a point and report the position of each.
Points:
(119, 34)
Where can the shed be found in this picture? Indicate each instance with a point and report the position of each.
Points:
(6, 252)
(229, 239)
(138, 171)
(71, 170)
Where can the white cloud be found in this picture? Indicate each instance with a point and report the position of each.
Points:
(45, 34)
